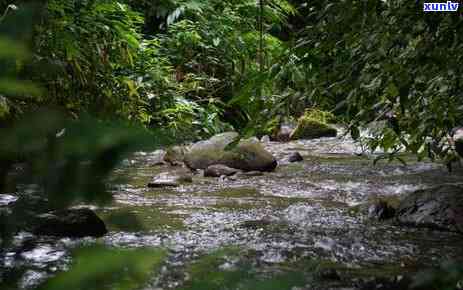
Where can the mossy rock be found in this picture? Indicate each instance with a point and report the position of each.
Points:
(247, 155)
(320, 115)
(308, 128)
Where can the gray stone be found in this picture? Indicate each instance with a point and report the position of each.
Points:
(81, 222)
(265, 139)
(381, 210)
(295, 157)
(247, 155)
(219, 170)
(438, 208)
(175, 155)
(283, 133)
(171, 179)
(157, 157)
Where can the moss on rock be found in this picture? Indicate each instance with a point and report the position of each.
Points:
(309, 128)
(247, 155)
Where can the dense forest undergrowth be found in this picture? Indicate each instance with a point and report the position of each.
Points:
(85, 83)
(200, 67)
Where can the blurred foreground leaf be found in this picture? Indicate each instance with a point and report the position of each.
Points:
(99, 268)
(448, 277)
(72, 159)
(14, 87)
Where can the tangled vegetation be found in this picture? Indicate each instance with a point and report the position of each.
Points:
(199, 67)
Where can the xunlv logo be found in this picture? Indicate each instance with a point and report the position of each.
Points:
(440, 7)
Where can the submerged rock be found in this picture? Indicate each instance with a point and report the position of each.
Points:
(81, 222)
(438, 208)
(308, 128)
(219, 170)
(255, 224)
(328, 274)
(246, 155)
(295, 157)
(171, 179)
(283, 133)
(381, 210)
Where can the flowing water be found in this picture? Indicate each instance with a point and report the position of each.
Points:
(301, 219)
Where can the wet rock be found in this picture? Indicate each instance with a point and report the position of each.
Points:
(157, 157)
(209, 152)
(255, 224)
(247, 155)
(438, 208)
(81, 222)
(308, 128)
(328, 274)
(249, 174)
(381, 210)
(295, 157)
(283, 133)
(250, 156)
(31, 279)
(253, 140)
(175, 155)
(171, 179)
(219, 170)
(265, 139)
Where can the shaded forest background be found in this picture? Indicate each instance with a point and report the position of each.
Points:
(198, 67)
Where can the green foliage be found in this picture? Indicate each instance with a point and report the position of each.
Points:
(320, 115)
(13, 56)
(218, 47)
(382, 60)
(448, 277)
(206, 274)
(90, 48)
(101, 268)
(72, 159)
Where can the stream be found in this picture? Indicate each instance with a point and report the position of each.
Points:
(309, 219)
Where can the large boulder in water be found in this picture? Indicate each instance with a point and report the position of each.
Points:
(247, 155)
(438, 208)
(78, 223)
(309, 128)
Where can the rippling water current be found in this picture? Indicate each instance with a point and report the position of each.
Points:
(308, 210)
